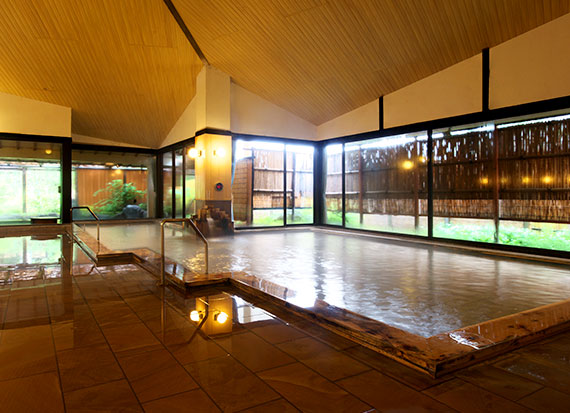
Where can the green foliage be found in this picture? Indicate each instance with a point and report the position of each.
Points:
(525, 237)
(119, 196)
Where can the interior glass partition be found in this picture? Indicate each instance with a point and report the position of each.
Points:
(386, 184)
(332, 174)
(30, 181)
(115, 185)
(190, 185)
(167, 171)
(299, 184)
(179, 182)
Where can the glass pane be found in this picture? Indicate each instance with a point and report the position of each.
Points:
(333, 184)
(30, 181)
(267, 183)
(178, 159)
(534, 178)
(190, 185)
(464, 179)
(167, 185)
(116, 185)
(386, 184)
(242, 185)
(299, 184)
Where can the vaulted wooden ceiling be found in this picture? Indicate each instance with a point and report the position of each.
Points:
(319, 59)
(128, 71)
(123, 66)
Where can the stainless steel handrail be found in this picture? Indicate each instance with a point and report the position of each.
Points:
(184, 221)
(92, 213)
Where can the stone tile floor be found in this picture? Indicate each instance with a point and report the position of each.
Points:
(102, 340)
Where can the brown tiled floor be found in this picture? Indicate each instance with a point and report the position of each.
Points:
(104, 341)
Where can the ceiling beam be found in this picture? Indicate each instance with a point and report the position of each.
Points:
(186, 31)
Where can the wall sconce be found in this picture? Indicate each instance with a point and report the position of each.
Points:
(195, 153)
(221, 317)
(196, 315)
(220, 152)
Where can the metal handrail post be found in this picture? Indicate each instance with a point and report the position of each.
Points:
(94, 216)
(162, 257)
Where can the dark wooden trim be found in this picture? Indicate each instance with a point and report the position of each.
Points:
(249, 137)
(318, 187)
(66, 189)
(430, 183)
(173, 183)
(381, 113)
(33, 138)
(159, 188)
(490, 115)
(111, 148)
(185, 30)
(213, 131)
(486, 72)
(285, 186)
(343, 186)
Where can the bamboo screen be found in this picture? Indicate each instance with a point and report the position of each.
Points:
(463, 175)
(267, 179)
(534, 171)
(385, 182)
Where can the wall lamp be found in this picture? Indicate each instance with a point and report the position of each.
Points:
(195, 153)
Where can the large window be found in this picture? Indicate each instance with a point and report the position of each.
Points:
(505, 182)
(30, 181)
(464, 183)
(261, 187)
(386, 184)
(116, 185)
(332, 172)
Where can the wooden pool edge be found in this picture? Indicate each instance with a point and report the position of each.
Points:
(437, 355)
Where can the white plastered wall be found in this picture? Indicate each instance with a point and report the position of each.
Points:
(531, 67)
(366, 118)
(453, 91)
(32, 117)
(251, 114)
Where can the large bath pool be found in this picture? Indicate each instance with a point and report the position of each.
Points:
(422, 289)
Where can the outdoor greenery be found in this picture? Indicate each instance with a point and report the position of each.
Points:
(38, 197)
(119, 196)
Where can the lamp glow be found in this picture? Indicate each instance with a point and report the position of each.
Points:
(422, 159)
(407, 164)
(195, 315)
(526, 180)
(485, 180)
(48, 151)
(547, 179)
(221, 317)
(192, 152)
